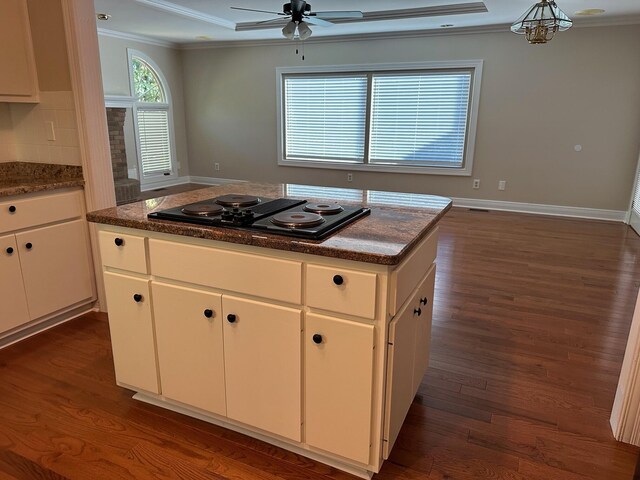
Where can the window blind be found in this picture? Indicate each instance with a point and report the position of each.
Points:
(325, 117)
(155, 147)
(420, 119)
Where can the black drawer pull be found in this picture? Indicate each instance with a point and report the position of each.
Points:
(417, 311)
(208, 313)
(12, 209)
(10, 250)
(231, 318)
(338, 280)
(137, 298)
(28, 245)
(317, 339)
(424, 300)
(119, 242)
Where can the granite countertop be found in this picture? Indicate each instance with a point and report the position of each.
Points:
(398, 221)
(17, 178)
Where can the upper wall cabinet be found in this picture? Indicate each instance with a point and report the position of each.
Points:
(18, 77)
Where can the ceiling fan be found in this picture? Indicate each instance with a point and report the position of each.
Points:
(300, 14)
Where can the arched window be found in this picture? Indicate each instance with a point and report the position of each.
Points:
(152, 118)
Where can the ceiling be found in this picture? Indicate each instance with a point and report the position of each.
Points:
(205, 21)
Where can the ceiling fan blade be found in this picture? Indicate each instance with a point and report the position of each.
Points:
(337, 14)
(254, 10)
(318, 21)
(271, 20)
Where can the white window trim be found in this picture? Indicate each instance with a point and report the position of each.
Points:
(474, 104)
(156, 179)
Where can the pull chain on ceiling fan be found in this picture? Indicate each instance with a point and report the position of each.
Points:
(300, 15)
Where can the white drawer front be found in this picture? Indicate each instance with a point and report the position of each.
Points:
(30, 212)
(341, 290)
(233, 271)
(123, 251)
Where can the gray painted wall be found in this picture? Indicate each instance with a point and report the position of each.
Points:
(537, 103)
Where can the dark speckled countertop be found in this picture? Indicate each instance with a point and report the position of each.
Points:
(17, 178)
(397, 223)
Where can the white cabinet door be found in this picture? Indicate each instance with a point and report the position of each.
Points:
(18, 82)
(400, 372)
(423, 330)
(262, 357)
(13, 301)
(55, 267)
(338, 386)
(132, 335)
(190, 352)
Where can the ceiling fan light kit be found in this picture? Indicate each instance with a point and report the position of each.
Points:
(541, 22)
(300, 14)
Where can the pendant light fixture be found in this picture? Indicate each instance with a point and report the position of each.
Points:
(541, 22)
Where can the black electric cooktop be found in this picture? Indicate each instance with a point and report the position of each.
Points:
(282, 216)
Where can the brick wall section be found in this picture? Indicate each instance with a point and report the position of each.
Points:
(127, 189)
(115, 122)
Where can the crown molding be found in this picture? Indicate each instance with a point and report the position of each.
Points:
(400, 14)
(175, 9)
(137, 38)
(364, 37)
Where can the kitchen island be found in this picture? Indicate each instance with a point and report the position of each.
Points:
(317, 346)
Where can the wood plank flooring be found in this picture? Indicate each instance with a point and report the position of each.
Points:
(530, 325)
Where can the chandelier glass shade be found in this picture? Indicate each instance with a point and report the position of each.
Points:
(296, 30)
(541, 22)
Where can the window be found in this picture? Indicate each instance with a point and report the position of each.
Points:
(417, 118)
(153, 121)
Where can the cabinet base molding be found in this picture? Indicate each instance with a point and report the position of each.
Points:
(40, 325)
(159, 401)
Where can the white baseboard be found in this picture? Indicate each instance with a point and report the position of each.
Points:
(534, 208)
(165, 183)
(213, 181)
(541, 209)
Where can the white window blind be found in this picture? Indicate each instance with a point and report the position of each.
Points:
(420, 119)
(325, 118)
(155, 148)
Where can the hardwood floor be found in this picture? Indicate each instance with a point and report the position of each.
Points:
(530, 325)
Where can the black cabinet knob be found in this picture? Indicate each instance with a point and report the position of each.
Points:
(231, 318)
(317, 339)
(12, 208)
(137, 298)
(417, 311)
(208, 313)
(338, 280)
(28, 246)
(424, 300)
(10, 250)
(119, 242)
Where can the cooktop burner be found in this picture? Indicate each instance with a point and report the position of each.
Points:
(297, 219)
(323, 208)
(203, 209)
(237, 201)
(282, 216)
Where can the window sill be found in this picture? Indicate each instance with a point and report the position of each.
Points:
(458, 172)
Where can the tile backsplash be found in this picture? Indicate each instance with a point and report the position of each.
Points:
(7, 136)
(46, 132)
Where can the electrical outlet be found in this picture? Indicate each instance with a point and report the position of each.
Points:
(476, 183)
(216, 167)
(502, 184)
(349, 177)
